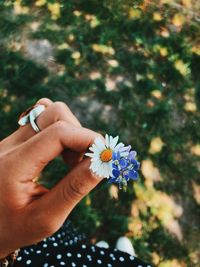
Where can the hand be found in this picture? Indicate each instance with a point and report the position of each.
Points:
(28, 211)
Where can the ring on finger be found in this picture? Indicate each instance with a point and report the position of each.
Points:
(31, 116)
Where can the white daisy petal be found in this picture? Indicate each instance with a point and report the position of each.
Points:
(91, 148)
(98, 164)
(110, 166)
(89, 155)
(107, 171)
(111, 140)
(95, 165)
(107, 140)
(96, 148)
(120, 145)
(99, 143)
(92, 166)
(114, 142)
(101, 171)
(104, 170)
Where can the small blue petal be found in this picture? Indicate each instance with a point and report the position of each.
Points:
(115, 166)
(112, 180)
(125, 148)
(133, 174)
(134, 162)
(137, 166)
(132, 155)
(115, 173)
(114, 156)
(126, 175)
(123, 163)
(118, 155)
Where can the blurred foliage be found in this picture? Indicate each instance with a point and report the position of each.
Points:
(126, 67)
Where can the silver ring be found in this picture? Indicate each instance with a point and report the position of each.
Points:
(31, 117)
(34, 113)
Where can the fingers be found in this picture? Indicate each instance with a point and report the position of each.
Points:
(44, 101)
(52, 209)
(54, 111)
(22, 133)
(31, 157)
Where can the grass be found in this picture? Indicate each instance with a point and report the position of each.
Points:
(123, 68)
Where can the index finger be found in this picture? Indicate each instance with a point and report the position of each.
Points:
(31, 157)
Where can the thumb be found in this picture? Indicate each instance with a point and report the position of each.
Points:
(52, 209)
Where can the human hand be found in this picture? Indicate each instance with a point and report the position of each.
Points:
(28, 211)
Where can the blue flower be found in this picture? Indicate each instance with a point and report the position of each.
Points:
(124, 166)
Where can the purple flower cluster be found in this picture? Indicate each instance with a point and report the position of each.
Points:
(124, 166)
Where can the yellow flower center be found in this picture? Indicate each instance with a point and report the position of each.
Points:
(106, 155)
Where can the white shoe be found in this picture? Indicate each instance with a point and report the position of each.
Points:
(124, 244)
(102, 244)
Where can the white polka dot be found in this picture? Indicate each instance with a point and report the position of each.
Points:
(148, 265)
(44, 245)
(78, 255)
(113, 258)
(83, 246)
(46, 265)
(109, 265)
(89, 257)
(38, 251)
(73, 264)
(53, 239)
(139, 265)
(62, 263)
(59, 235)
(102, 252)
(131, 258)
(111, 255)
(19, 258)
(55, 244)
(26, 252)
(69, 254)
(99, 261)
(84, 265)
(121, 259)
(28, 262)
(47, 254)
(66, 243)
(59, 256)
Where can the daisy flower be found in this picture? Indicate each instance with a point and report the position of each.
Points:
(113, 160)
(102, 153)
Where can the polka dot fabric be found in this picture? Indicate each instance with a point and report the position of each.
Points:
(69, 248)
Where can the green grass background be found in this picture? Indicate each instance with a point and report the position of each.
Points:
(124, 67)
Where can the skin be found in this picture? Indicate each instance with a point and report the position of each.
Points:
(28, 211)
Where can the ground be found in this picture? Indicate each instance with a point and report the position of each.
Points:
(124, 67)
